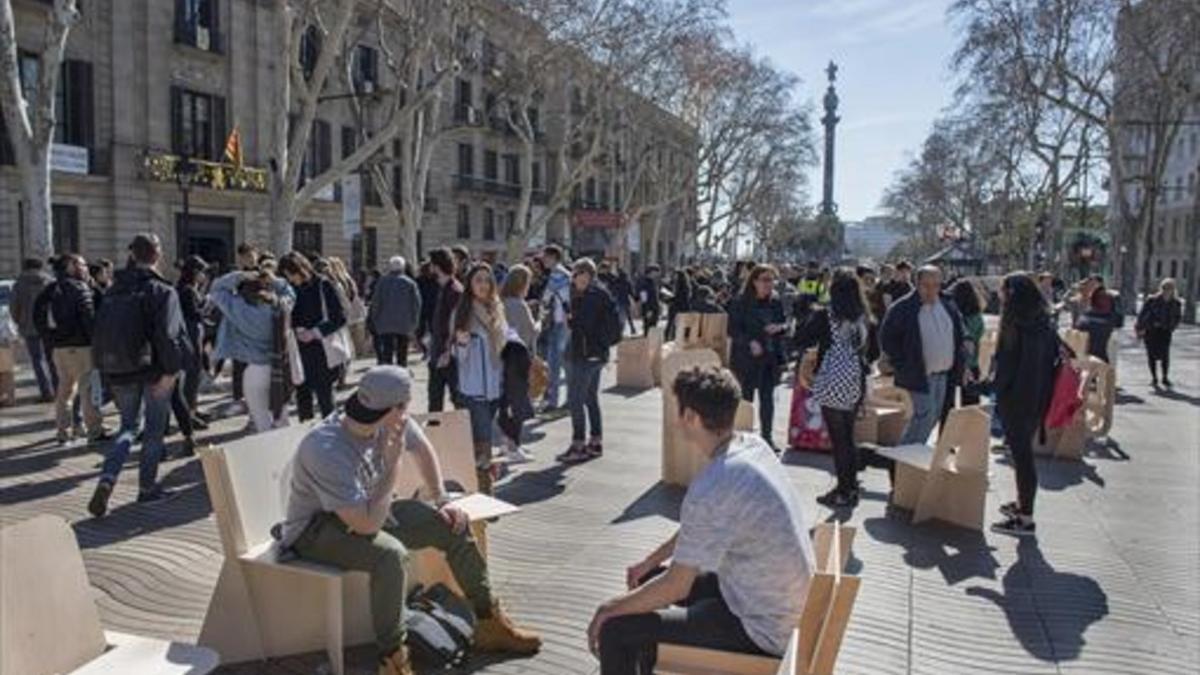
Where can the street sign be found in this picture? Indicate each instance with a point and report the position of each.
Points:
(68, 158)
(351, 206)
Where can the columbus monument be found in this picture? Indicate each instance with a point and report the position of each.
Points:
(830, 120)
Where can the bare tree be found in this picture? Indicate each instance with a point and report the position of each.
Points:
(30, 121)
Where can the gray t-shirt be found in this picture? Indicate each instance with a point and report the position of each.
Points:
(333, 469)
(742, 519)
(937, 337)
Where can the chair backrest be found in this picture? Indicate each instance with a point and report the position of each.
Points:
(987, 350)
(828, 604)
(1077, 340)
(48, 620)
(1099, 391)
(963, 443)
(450, 435)
(688, 327)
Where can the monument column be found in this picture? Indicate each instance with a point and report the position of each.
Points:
(830, 120)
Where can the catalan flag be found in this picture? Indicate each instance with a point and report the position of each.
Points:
(233, 147)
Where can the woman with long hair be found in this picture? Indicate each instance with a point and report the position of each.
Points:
(513, 413)
(317, 314)
(966, 298)
(1159, 318)
(681, 300)
(757, 328)
(841, 331)
(1026, 353)
(587, 353)
(352, 306)
(480, 333)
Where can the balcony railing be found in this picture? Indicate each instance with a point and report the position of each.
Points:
(485, 185)
(163, 167)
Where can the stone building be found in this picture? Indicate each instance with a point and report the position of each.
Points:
(146, 80)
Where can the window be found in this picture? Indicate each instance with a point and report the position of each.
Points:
(1162, 235)
(1174, 269)
(489, 224)
(535, 120)
(365, 69)
(310, 51)
(617, 203)
(591, 192)
(357, 261)
(537, 175)
(489, 54)
(1179, 187)
(512, 170)
(510, 223)
(1158, 268)
(490, 165)
(462, 102)
(466, 159)
(604, 194)
(306, 238)
(66, 227)
(197, 23)
(464, 221)
(318, 157)
(197, 124)
(397, 173)
(73, 101)
(349, 141)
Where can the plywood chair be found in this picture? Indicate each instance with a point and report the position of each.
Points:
(265, 605)
(655, 338)
(714, 332)
(49, 623)
(680, 464)
(947, 482)
(987, 351)
(688, 330)
(635, 363)
(744, 421)
(893, 407)
(1098, 389)
(1077, 340)
(816, 641)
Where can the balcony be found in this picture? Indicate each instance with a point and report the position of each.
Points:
(162, 167)
(486, 186)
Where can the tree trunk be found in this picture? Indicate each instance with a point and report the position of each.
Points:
(1133, 261)
(36, 212)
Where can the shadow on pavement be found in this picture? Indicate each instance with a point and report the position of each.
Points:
(1173, 395)
(625, 392)
(531, 487)
(956, 553)
(660, 500)
(1064, 604)
(1056, 475)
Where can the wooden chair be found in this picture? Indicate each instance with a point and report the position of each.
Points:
(815, 642)
(1098, 389)
(948, 482)
(680, 464)
(49, 623)
(655, 338)
(635, 363)
(1077, 340)
(893, 407)
(714, 333)
(987, 351)
(689, 332)
(266, 606)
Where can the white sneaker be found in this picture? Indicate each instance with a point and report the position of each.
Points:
(517, 455)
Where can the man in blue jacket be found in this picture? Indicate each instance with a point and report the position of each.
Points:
(395, 313)
(922, 334)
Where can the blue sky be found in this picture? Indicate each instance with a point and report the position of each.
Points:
(893, 80)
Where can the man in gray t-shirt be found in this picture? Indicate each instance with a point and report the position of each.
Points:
(741, 560)
(341, 512)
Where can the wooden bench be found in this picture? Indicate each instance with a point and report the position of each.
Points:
(1098, 389)
(264, 606)
(49, 623)
(948, 482)
(815, 642)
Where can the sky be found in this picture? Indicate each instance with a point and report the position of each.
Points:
(893, 79)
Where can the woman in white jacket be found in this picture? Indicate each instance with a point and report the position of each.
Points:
(480, 333)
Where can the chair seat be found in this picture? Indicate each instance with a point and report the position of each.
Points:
(915, 455)
(134, 655)
(684, 660)
(267, 554)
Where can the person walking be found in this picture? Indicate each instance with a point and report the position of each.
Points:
(441, 363)
(29, 285)
(595, 327)
(395, 314)
(1027, 351)
(65, 312)
(681, 300)
(649, 298)
(194, 308)
(1157, 321)
(556, 301)
(1099, 316)
(966, 300)
(757, 326)
(922, 335)
(480, 334)
(317, 314)
(515, 408)
(428, 287)
(139, 347)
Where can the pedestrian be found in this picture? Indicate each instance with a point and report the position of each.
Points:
(966, 299)
(514, 405)
(681, 300)
(556, 301)
(649, 298)
(29, 285)
(65, 311)
(1157, 321)
(900, 284)
(841, 332)
(922, 335)
(1027, 350)
(1099, 316)
(704, 301)
(622, 290)
(480, 334)
(595, 327)
(442, 376)
(757, 326)
(395, 313)
(316, 315)
(252, 309)
(139, 347)
(194, 308)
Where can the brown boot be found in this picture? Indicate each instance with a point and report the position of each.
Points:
(396, 663)
(498, 633)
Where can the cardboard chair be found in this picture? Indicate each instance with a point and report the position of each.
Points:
(635, 363)
(1098, 389)
(689, 332)
(893, 409)
(679, 463)
(948, 482)
(655, 339)
(714, 333)
(264, 606)
(815, 642)
(49, 623)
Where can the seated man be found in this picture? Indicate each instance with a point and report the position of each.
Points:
(340, 512)
(741, 560)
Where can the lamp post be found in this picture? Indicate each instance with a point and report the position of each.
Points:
(185, 173)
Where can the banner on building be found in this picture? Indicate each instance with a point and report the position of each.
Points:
(351, 206)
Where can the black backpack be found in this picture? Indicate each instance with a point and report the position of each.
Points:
(613, 329)
(121, 339)
(440, 626)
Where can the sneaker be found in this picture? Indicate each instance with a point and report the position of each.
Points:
(188, 449)
(98, 506)
(517, 455)
(595, 448)
(838, 499)
(199, 424)
(396, 663)
(498, 633)
(1018, 526)
(78, 431)
(576, 454)
(1008, 510)
(1154, 382)
(158, 494)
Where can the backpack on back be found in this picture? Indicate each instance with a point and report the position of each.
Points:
(121, 343)
(612, 327)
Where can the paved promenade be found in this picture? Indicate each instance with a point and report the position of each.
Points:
(1110, 585)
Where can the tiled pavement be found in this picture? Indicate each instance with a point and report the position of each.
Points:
(1111, 585)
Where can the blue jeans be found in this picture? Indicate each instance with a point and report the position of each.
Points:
(583, 398)
(927, 410)
(556, 346)
(43, 367)
(129, 398)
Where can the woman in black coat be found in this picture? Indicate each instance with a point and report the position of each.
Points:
(316, 315)
(1159, 318)
(681, 300)
(757, 326)
(1027, 352)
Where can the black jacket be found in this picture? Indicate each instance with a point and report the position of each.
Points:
(191, 304)
(1025, 368)
(588, 313)
(748, 320)
(900, 339)
(163, 323)
(308, 312)
(71, 304)
(1160, 315)
(650, 288)
(517, 363)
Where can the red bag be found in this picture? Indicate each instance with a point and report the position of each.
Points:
(806, 427)
(1067, 398)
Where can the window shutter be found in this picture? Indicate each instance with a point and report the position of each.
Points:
(181, 35)
(6, 149)
(348, 144)
(177, 143)
(325, 150)
(81, 128)
(220, 131)
(216, 43)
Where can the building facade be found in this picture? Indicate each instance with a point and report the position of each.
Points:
(148, 81)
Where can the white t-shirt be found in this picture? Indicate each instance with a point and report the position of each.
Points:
(741, 519)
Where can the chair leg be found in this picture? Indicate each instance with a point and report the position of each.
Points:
(333, 626)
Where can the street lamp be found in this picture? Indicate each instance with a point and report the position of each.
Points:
(185, 174)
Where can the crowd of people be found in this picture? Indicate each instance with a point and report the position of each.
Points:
(501, 342)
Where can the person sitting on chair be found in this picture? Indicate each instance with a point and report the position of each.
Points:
(741, 560)
(340, 512)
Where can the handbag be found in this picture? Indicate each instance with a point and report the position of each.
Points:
(338, 349)
(295, 363)
(440, 626)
